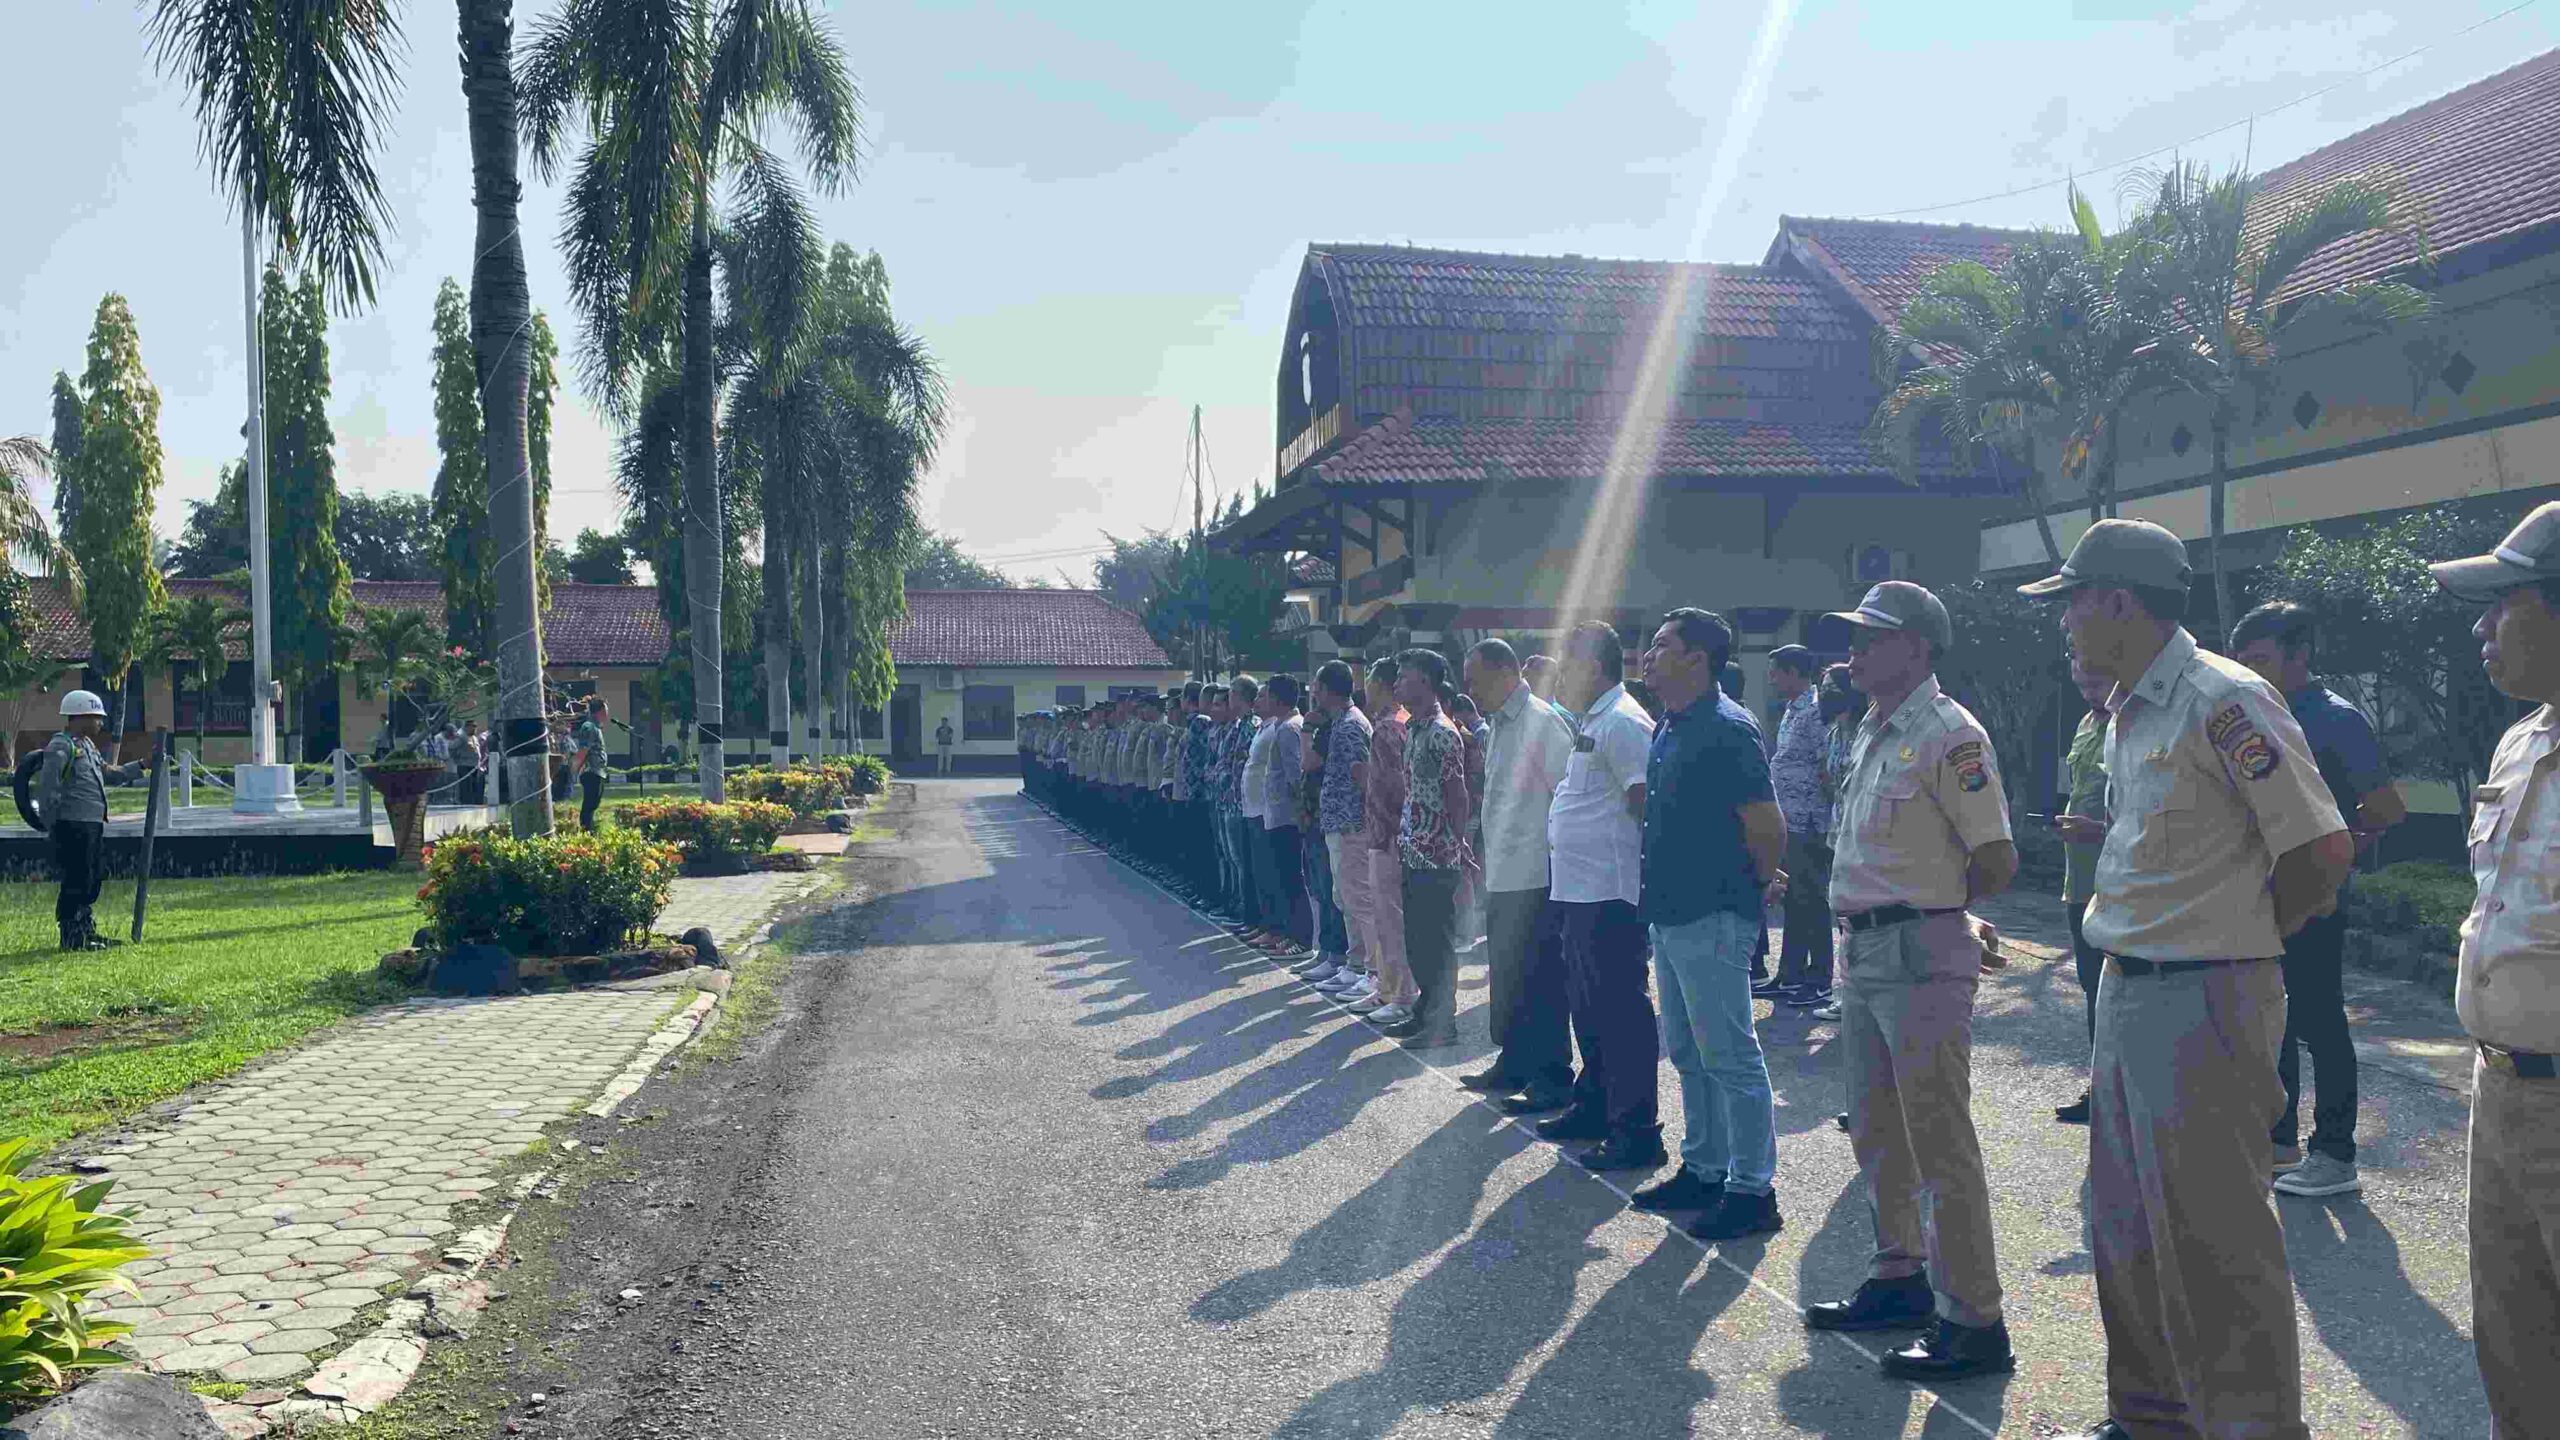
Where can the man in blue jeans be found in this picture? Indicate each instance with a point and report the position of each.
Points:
(1713, 837)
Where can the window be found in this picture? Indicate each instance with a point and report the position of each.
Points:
(871, 724)
(1123, 692)
(1070, 695)
(230, 712)
(986, 712)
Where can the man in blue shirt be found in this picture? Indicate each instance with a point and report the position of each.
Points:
(1712, 841)
(2277, 640)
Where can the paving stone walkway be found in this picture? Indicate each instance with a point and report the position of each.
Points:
(280, 1203)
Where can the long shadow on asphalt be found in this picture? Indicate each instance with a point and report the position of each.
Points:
(1631, 1357)
(2346, 1266)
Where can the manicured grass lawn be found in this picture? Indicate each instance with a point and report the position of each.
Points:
(231, 968)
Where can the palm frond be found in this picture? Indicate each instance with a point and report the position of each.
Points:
(2350, 207)
(776, 57)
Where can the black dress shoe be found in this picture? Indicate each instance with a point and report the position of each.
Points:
(1489, 1082)
(1736, 1216)
(1624, 1152)
(1533, 1100)
(1879, 1305)
(1683, 1191)
(1429, 1037)
(2075, 1113)
(1953, 1351)
(1575, 1124)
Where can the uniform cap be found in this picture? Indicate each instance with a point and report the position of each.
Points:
(1901, 605)
(82, 702)
(2531, 552)
(2120, 552)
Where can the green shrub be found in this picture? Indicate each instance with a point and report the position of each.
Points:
(56, 1249)
(564, 894)
(806, 789)
(2413, 895)
(709, 834)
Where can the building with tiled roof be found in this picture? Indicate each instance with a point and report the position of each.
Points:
(979, 660)
(1878, 265)
(608, 640)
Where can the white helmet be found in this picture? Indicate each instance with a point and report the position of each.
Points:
(82, 702)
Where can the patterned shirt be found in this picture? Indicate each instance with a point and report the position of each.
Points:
(1339, 810)
(1281, 769)
(1437, 810)
(1795, 768)
(1199, 752)
(1234, 748)
(1383, 799)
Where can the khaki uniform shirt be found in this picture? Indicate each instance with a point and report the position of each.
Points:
(2208, 781)
(72, 785)
(1923, 792)
(1168, 755)
(2507, 990)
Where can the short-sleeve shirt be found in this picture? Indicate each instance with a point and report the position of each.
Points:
(589, 742)
(1795, 766)
(2342, 745)
(1595, 848)
(1704, 766)
(2086, 769)
(1923, 794)
(2208, 780)
(1436, 803)
(1383, 797)
(1340, 809)
(1523, 766)
(2507, 985)
(942, 733)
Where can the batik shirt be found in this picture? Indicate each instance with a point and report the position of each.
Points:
(1339, 810)
(1233, 750)
(1382, 803)
(1795, 769)
(1199, 752)
(1436, 808)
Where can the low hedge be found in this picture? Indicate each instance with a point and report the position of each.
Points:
(714, 835)
(810, 787)
(572, 893)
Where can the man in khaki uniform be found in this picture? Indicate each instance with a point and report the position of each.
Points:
(2508, 986)
(2224, 840)
(1924, 831)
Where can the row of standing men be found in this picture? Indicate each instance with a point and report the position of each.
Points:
(1606, 838)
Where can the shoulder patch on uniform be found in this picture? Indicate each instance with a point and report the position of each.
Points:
(2256, 756)
(1972, 775)
(2228, 727)
(1959, 754)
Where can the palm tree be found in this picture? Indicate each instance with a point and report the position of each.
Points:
(2218, 303)
(386, 647)
(195, 626)
(23, 533)
(672, 94)
(290, 96)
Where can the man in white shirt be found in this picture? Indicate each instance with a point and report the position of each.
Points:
(1595, 842)
(1524, 762)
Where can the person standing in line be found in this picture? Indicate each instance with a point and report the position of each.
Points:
(1211, 795)
(1795, 772)
(1924, 833)
(1191, 825)
(1842, 708)
(1431, 840)
(2082, 828)
(2223, 842)
(1713, 839)
(2277, 640)
(71, 795)
(1595, 841)
(1286, 912)
(1530, 1015)
(1315, 862)
(1538, 672)
(587, 757)
(1269, 935)
(1473, 733)
(1342, 819)
(1381, 777)
(942, 738)
(2507, 985)
(1235, 750)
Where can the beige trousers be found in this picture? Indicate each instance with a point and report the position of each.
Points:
(1347, 856)
(2515, 1248)
(2192, 1280)
(1906, 1021)
(1386, 925)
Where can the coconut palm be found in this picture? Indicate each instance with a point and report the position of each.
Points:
(195, 625)
(671, 96)
(2216, 295)
(23, 533)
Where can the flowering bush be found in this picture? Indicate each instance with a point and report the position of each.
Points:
(566, 894)
(812, 786)
(718, 835)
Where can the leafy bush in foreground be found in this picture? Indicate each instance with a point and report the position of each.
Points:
(56, 1249)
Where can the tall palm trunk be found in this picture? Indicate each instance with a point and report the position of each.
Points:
(2031, 487)
(813, 634)
(2217, 507)
(703, 541)
(777, 627)
(204, 702)
(502, 349)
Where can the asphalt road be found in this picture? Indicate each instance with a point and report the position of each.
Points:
(1034, 1151)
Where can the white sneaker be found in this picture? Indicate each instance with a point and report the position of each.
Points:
(2320, 1174)
(1342, 981)
(1365, 1003)
(1390, 1015)
(1324, 971)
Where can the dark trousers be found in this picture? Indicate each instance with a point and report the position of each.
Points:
(1282, 877)
(590, 795)
(1528, 1008)
(1316, 864)
(1245, 852)
(1804, 951)
(1605, 946)
(1431, 944)
(80, 853)
(2315, 1017)
(2092, 962)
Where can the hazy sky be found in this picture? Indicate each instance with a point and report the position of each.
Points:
(1094, 212)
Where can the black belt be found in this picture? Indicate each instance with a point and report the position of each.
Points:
(2131, 966)
(2523, 1064)
(1884, 915)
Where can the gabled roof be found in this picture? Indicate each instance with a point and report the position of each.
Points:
(2477, 167)
(585, 624)
(1445, 451)
(1569, 294)
(1879, 264)
(989, 628)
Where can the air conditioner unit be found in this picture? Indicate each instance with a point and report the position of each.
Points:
(946, 679)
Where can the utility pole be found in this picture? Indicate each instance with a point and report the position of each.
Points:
(263, 786)
(1198, 579)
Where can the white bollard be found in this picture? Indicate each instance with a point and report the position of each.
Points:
(187, 778)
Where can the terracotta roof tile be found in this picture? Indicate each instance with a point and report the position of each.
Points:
(1881, 263)
(586, 624)
(1568, 294)
(1434, 451)
(1081, 628)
